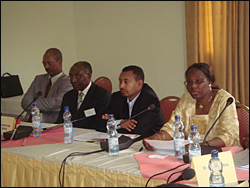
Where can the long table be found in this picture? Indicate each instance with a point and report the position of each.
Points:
(38, 166)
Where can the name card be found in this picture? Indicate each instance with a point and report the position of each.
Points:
(200, 165)
(7, 124)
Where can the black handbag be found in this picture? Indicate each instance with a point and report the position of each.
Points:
(10, 86)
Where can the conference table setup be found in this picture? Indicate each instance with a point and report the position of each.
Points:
(37, 162)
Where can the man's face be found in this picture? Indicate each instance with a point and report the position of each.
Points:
(51, 65)
(79, 78)
(129, 86)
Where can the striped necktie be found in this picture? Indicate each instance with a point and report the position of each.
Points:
(79, 102)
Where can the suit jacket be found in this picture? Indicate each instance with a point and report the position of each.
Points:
(148, 122)
(97, 98)
(54, 99)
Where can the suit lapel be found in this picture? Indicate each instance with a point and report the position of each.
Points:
(87, 100)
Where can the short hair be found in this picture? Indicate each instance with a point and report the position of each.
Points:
(56, 52)
(205, 68)
(139, 75)
(85, 66)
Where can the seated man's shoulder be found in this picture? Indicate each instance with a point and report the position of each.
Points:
(41, 76)
(101, 91)
(70, 93)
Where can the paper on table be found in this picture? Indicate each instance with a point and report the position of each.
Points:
(164, 144)
(95, 135)
(242, 158)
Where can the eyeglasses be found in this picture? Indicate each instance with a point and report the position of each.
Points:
(197, 82)
(78, 77)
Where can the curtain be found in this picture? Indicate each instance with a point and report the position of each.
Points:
(217, 33)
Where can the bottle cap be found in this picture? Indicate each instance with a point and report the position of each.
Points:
(34, 104)
(111, 116)
(193, 127)
(177, 117)
(66, 108)
(214, 153)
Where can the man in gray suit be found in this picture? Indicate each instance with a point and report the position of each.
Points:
(53, 86)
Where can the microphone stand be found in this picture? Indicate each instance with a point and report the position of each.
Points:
(14, 132)
(208, 149)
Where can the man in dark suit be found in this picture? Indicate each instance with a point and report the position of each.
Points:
(87, 100)
(135, 96)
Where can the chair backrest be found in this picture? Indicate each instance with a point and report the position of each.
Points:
(168, 104)
(243, 117)
(104, 82)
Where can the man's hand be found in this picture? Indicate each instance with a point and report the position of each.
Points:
(129, 125)
(105, 116)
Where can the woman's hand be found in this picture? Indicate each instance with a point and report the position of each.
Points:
(246, 141)
(147, 145)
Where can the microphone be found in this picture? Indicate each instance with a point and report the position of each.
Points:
(186, 175)
(150, 107)
(125, 141)
(208, 149)
(21, 131)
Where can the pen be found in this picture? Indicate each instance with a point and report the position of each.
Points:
(141, 148)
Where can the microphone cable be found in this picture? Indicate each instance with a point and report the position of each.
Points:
(176, 173)
(61, 182)
(163, 173)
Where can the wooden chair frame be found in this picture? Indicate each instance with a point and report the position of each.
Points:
(102, 78)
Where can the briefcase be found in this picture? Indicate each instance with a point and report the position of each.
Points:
(10, 86)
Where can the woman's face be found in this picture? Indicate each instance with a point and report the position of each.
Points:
(197, 83)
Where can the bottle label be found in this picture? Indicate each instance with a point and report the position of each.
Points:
(36, 125)
(179, 145)
(194, 154)
(113, 143)
(68, 132)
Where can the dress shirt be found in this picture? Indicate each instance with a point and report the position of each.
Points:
(55, 78)
(130, 104)
(85, 91)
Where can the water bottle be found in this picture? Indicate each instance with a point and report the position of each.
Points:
(36, 121)
(215, 166)
(112, 137)
(68, 126)
(179, 146)
(194, 148)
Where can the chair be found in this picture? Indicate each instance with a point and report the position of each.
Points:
(243, 117)
(104, 82)
(168, 104)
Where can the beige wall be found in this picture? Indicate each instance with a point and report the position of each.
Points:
(110, 35)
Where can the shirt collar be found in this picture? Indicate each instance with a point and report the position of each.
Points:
(85, 91)
(133, 101)
(55, 78)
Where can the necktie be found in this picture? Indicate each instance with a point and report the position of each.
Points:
(48, 88)
(79, 102)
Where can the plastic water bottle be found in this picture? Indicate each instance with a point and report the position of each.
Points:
(112, 137)
(215, 166)
(194, 148)
(68, 126)
(36, 121)
(179, 146)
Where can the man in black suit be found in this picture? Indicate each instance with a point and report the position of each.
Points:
(86, 99)
(135, 96)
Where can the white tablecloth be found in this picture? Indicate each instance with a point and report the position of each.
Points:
(34, 163)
